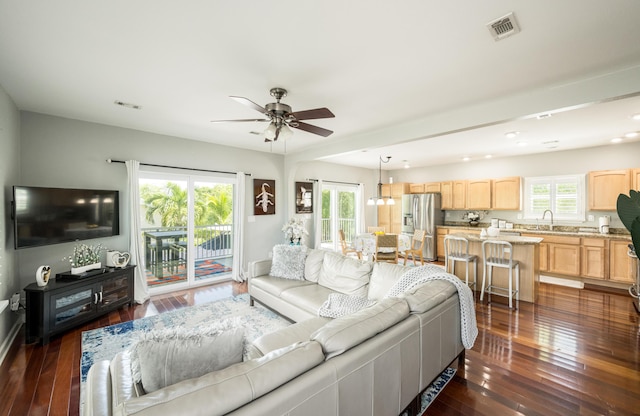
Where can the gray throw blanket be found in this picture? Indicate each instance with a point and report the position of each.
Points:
(339, 304)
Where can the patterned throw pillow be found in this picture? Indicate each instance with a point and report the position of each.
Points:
(288, 261)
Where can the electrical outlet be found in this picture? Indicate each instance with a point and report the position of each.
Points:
(15, 302)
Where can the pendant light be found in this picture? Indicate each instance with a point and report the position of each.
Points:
(379, 199)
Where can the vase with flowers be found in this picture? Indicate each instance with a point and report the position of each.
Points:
(85, 257)
(294, 231)
(473, 218)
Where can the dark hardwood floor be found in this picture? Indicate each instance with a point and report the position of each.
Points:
(575, 352)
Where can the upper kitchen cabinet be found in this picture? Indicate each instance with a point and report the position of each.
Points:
(390, 216)
(459, 194)
(506, 194)
(479, 194)
(446, 190)
(636, 179)
(605, 186)
(416, 188)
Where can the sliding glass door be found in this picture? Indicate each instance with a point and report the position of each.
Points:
(339, 212)
(187, 228)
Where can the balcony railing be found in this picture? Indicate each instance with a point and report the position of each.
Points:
(210, 241)
(348, 225)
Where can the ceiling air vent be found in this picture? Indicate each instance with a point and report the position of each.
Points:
(503, 27)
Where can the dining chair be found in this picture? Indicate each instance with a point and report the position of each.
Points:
(386, 248)
(373, 229)
(346, 250)
(496, 253)
(456, 248)
(417, 245)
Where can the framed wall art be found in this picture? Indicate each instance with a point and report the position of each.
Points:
(264, 197)
(304, 197)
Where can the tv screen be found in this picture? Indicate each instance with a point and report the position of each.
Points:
(45, 216)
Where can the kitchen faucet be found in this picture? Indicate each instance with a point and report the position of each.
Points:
(544, 214)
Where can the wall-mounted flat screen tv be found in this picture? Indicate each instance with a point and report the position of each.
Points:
(43, 216)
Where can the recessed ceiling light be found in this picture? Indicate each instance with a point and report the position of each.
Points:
(466, 159)
(488, 156)
(511, 134)
(521, 143)
(406, 164)
(127, 105)
(551, 144)
(636, 117)
(616, 140)
(545, 115)
(631, 134)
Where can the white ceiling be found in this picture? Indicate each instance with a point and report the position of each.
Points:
(375, 65)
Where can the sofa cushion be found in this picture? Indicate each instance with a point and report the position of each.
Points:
(345, 274)
(164, 357)
(313, 264)
(309, 297)
(345, 332)
(429, 295)
(383, 276)
(291, 334)
(288, 261)
(276, 285)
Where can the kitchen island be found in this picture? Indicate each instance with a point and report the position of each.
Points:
(526, 250)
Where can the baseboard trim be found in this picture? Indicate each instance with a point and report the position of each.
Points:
(561, 282)
(8, 341)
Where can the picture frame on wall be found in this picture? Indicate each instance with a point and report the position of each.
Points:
(304, 198)
(264, 197)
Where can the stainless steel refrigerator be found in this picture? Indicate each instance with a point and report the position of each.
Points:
(423, 212)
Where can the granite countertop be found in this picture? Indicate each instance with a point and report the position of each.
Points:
(616, 234)
(513, 239)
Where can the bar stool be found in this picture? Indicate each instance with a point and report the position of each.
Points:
(497, 253)
(457, 249)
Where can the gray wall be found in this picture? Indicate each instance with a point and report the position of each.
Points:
(580, 161)
(9, 170)
(61, 152)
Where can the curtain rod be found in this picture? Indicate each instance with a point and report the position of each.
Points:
(343, 183)
(178, 167)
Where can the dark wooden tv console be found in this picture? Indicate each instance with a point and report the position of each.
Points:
(66, 303)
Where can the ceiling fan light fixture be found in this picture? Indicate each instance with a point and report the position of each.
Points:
(270, 131)
(285, 132)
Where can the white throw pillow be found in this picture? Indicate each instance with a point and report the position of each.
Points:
(345, 274)
(313, 264)
(383, 277)
(288, 261)
(166, 356)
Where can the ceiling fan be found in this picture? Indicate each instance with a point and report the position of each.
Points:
(280, 117)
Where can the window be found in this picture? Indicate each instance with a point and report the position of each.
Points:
(339, 212)
(563, 195)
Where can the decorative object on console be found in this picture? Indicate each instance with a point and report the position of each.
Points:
(42, 275)
(304, 197)
(85, 258)
(264, 191)
(295, 231)
(117, 259)
(379, 199)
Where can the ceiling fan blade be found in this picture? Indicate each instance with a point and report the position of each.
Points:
(242, 120)
(313, 114)
(249, 103)
(313, 129)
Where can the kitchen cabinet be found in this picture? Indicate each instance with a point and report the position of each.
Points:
(635, 173)
(564, 255)
(506, 193)
(416, 188)
(446, 191)
(459, 195)
(622, 268)
(605, 186)
(595, 258)
(390, 216)
(432, 187)
(479, 194)
(442, 232)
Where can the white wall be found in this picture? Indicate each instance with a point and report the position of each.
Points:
(580, 161)
(60, 152)
(9, 170)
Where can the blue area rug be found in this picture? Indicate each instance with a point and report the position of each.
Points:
(436, 387)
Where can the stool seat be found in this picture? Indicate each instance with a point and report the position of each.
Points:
(497, 253)
(457, 249)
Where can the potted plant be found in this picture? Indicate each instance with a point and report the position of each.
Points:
(85, 258)
(628, 208)
(294, 230)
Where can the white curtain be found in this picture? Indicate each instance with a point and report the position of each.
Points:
(136, 247)
(238, 234)
(317, 214)
(362, 202)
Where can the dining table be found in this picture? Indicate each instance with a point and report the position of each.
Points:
(366, 243)
(158, 248)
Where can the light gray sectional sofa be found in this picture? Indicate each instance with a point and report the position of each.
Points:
(375, 361)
